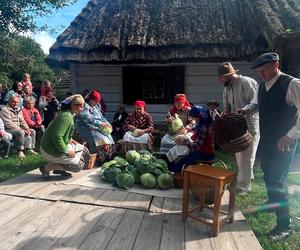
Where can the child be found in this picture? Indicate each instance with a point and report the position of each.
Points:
(119, 119)
(5, 139)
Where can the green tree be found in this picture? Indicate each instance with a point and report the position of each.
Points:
(18, 16)
(19, 54)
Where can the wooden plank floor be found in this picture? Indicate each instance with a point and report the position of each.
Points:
(51, 215)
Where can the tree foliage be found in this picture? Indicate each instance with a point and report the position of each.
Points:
(19, 54)
(18, 16)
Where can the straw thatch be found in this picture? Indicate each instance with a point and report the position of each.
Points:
(131, 31)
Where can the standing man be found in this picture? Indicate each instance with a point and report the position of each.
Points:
(278, 103)
(238, 94)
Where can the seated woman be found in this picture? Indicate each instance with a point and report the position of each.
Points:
(32, 116)
(57, 146)
(182, 108)
(138, 127)
(94, 129)
(202, 146)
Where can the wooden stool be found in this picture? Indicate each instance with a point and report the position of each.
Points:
(208, 176)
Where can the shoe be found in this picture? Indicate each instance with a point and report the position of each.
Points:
(278, 233)
(62, 173)
(31, 151)
(21, 155)
(46, 175)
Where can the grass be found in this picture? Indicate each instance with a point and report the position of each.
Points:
(260, 222)
(294, 179)
(13, 166)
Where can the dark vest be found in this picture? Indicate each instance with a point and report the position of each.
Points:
(276, 117)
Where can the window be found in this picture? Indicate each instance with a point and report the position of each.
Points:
(154, 85)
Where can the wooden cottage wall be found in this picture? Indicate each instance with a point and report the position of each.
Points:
(201, 84)
(201, 81)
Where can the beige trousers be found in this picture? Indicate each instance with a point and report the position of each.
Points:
(245, 161)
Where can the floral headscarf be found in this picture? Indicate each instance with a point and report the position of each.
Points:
(203, 114)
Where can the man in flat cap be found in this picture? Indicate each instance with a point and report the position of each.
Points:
(278, 101)
(238, 93)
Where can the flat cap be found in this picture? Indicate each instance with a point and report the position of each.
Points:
(264, 59)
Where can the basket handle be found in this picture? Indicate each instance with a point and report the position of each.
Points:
(222, 163)
(212, 163)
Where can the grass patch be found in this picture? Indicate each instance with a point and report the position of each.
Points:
(13, 166)
(294, 179)
(260, 222)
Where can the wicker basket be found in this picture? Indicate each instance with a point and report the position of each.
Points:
(178, 179)
(92, 161)
(239, 144)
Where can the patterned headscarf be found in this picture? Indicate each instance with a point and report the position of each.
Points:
(140, 104)
(203, 114)
(74, 99)
(95, 95)
(181, 98)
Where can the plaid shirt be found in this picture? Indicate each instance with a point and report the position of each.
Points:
(140, 121)
(202, 141)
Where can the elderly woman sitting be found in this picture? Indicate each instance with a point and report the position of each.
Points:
(32, 115)
(138, 126)
(57, 146)
(94, 129)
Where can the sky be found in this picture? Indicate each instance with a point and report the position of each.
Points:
(58, 22)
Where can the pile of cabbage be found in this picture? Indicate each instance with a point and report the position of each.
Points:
(138, 168)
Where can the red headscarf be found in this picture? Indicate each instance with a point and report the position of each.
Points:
(181, 98)
(95, 95)
(140, 104)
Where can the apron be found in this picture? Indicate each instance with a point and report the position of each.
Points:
(65, 159)
(143, 139)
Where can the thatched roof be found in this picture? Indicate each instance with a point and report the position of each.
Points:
(130, 31)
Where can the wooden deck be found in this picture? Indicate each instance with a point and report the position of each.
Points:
(52, 215)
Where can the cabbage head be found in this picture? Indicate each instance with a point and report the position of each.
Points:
(176, 124)
(144, 166)
(125, 180)
(108, 164)
(144, 152)
(106, 130)
(132, 155)
(110, 174)
(137, 176)
(162, 162)
(121, 161)
(136, 132)
(146, 157)
(165, 181)
(148, 180)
